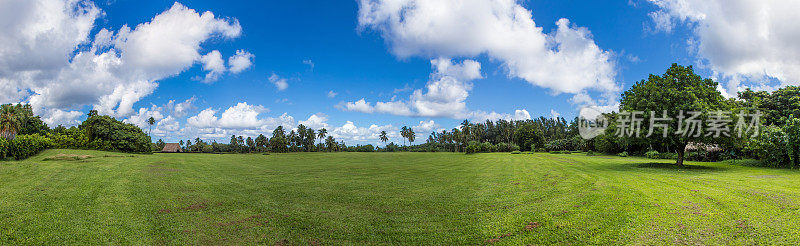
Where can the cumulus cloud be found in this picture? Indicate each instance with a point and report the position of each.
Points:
(426, 127)
(140, 118)
(61, 117)
(242, 116)
(279, 82)
(740, 40)
(182, 108)
(565, 61)
(350, 132)
(316, 121)
(213, 63)
(240, 61)
(445, 94)
(205, 119)
(41, 62)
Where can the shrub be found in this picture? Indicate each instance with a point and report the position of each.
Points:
(4, 146)
(472, 148)
(770, 147)
(652, 154)
(505, 147)
(24, 146)
(487, 147)
(623, 154)
(516, 152)
(589, 153)
(106, 133)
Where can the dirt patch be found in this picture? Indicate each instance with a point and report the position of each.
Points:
(67, 157)
(532, 225)
(282, 242)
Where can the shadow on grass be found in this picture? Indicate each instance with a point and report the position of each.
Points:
(673, 166)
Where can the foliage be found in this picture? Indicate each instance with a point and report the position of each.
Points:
(678, 89)
(106, 133)
(623, 154)
(24, 146)
(652, 155)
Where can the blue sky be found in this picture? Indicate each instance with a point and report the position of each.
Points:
(331, 54)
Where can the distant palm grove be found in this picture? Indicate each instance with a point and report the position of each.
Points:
(23, 134)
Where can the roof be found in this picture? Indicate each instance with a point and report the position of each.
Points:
(172, 147)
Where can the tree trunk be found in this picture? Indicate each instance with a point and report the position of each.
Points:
(681, 152)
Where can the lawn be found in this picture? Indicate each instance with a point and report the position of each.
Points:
(89, 197)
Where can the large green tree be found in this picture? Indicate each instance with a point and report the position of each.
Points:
(679, 89)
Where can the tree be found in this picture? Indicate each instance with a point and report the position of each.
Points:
(9, 123)
(150, 122)
(677, 90)
(92, 113)
(404, 134)
(384, 137)
(321, 133)
(411, 135)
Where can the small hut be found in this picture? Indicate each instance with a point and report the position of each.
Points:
(172, 148)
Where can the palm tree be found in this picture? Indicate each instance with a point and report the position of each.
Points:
(9, 124)
(150, 122)
(321, 134)
(404, 134)
(411, 135)
(384, 138)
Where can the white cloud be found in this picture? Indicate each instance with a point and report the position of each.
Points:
(357, 106)
(240, 61)
(521, 114)
(741, 40)
(279, 82)
(40, 58)
(167, 127)
(181, 109)
(445, 94)
(140, 118)
(332, 94)
(316, 121)
(426, 127)
(205, 119)
(242, 116)
(479, 116)
(565, 61)
(213, 63)
(350, 132)
(55, 117)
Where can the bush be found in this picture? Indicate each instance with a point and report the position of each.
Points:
(623, 154)
(487, 147)
(516, 152)
(24, 146)
(106, 133)
(652, 154)
(770, 147)
(4, 146)
(505, 147)
(590, 153)
(472, 148)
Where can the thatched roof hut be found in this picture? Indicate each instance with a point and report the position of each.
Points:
(694, 146)
(172, 148)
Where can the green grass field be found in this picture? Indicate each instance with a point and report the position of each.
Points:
(391, 198)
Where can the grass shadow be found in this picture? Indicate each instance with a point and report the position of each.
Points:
(673, 166)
